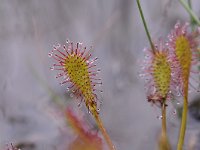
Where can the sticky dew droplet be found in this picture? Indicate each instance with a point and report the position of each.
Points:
(58, 45)
(65, 76)
(141, 75)
(50, 54)
(178, 94)
(59, 75)
(61, 83)
(55, 48)
(175, 112)
(146, 57)
(147, 80)
(172, 73)
(79, 104)
(176, 26)
(89, 111)
(67, 41)
(52, 68)
(159, 117)
(71, 95)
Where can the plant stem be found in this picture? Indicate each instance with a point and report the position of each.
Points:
(192, 21)
(145, 26)
(184, 118)
(164, 142)
(189, 10)
(164, 126)
(189, 3)
(104, 132)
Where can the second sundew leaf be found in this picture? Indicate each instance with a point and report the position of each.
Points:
(184, 42)
(161, 73)
(184, 55)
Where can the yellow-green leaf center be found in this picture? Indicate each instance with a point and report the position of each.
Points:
(184, 55)
(77, 69)
(161, 73)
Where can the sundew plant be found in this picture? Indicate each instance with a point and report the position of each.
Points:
(168, 65)
(78, 69)
(168, 68)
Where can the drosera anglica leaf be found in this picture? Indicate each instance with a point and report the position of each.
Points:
(78, 69)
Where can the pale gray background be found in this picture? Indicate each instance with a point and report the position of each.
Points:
(28, 30)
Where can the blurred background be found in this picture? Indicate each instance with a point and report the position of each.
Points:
(29, 117)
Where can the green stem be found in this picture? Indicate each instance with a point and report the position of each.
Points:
(104, 132)
(164, 126)
(145, 26)
(164, 142)
(184, 119)
(192, 21)
(189, 10)
(189, 3)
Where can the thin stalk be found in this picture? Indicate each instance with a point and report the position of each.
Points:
(104, 132)
(164, 126)
(184, 119)
(189, 3)
(190, 11)
(192, 21)
(164, 142)
(145, 26)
